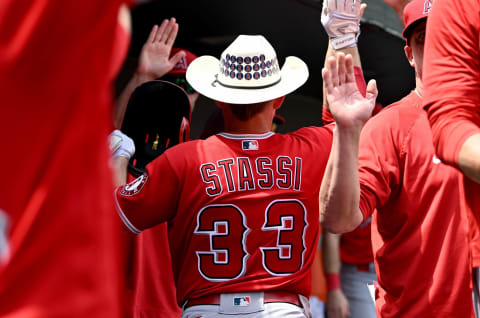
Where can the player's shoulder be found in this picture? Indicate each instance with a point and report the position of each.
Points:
(186, 148)
(399, 114)
(324, 132)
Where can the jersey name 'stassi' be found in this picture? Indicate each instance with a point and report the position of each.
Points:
(243, 173)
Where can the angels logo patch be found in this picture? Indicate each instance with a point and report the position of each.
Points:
(427, 6)
(134, 187)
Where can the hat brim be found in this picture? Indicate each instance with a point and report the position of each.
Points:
(201, 75)
(409, 29)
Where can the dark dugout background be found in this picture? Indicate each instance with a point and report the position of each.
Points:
(293, 28)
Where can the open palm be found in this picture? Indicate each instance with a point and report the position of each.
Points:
(347, 105)
(155, 58)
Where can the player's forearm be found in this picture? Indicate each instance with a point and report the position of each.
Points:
(120, 165)
(339, 198)
(331, 252)
(469, 158)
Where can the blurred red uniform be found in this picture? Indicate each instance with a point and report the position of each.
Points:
(58, 229)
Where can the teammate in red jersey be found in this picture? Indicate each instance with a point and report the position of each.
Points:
(452, 96)
(420, 227)
(59, 237)
(241, 206)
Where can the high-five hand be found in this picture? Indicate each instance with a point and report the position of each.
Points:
(155, 58)
(348, 107)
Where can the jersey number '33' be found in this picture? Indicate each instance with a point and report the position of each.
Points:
(226, 226)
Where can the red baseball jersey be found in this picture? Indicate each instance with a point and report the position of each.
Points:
(420, 230)
(452, 74)
(59, 236)
(356, 246)
(242, 210)
(154, 292)
(452, 86)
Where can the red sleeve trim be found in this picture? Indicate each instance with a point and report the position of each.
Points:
(122, 215)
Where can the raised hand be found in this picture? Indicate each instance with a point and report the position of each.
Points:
(155, 58)
(348, 107)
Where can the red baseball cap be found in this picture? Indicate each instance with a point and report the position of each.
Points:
(182, 65)
(413, 13)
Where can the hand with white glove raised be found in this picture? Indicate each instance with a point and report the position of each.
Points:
(121, 145)
(341, 21)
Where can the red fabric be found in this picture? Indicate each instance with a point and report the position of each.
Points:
(154, 285)
(452, 75)
(151, 290)
(333, 281)
(356, 246)
(452, 88)
(273, 187)
(420, 230)
(63, 234)
(471, 194)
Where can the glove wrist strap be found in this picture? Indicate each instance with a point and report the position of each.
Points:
(341, 42)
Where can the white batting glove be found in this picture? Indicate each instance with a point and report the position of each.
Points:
(121, 145)
(341, 21)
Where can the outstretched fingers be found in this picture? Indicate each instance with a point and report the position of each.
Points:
(332, 68)
(350, 75)
(172, 34)
(153, 32)
(171, 28)
(327, 81)
(342, 70)
(372, 90)
(161, 30)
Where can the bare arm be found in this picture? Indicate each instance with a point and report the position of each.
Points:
(469, 158)
(337, 304)
(340, 189)
(154, 63)
(120, 165)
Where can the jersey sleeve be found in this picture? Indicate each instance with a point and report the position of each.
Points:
(379, 171)
(151, 198)
(451, 75)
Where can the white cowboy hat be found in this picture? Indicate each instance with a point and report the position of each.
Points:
(247, 73)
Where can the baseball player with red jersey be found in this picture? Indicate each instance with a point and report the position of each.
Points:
(241, 206)
(59, 235)
(452, 85)
(452, 95)
(420, 225)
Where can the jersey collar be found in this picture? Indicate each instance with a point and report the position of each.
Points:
(247, 136)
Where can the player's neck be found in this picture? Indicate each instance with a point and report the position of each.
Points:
(258, 124)
(419, 87)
